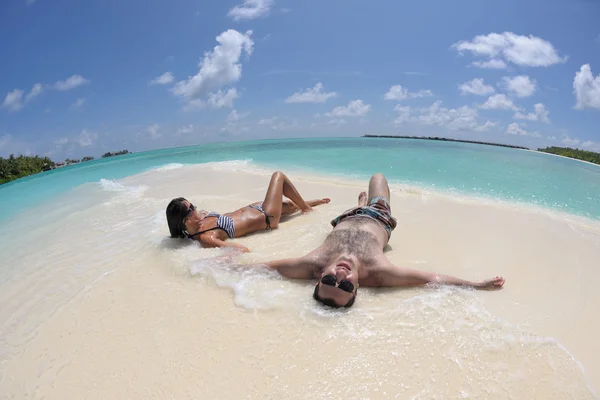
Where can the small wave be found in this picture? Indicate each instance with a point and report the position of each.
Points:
(111, 186)
(126, 193)
(253, 288)
(167, 167)
(231, 165)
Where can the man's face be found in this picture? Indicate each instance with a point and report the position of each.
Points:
(339, 281)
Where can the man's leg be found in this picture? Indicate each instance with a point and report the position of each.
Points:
(362, 199)
(378, 186)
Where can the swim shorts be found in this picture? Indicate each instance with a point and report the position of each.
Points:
(378, 209)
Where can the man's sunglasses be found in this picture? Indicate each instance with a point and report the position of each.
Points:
(345, 285)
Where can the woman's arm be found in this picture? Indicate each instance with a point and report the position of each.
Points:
(211, 241)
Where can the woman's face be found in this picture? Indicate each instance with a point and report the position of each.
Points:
(192, 212)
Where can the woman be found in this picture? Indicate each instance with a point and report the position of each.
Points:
(213, 229)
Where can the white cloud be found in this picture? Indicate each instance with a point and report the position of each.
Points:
(13, 100)
(78, 103)
(152, 131)
(403, 114)
(493, 63)
(486, 127)
(278, 124)
(234, 129)
(232, 124)
(71, 83)
(185, 129)
(476, 87)
(16, 99)
(397, 92)
(219, 67)
(515, 129)
(234, 116)
(589, 145)
(164, 79)
(337, 122)
(222, 99)
(499, 102)
(61, 141)
(311, 95)
(250, 9)
(86, 138)
(356, 108)
(268, 121)
(508, 47)
(34, 92)
(462, 118)
(539, 114)
(586, 88)
(569, 141)
(520, 85)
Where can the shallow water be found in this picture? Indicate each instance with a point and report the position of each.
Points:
(464, 169)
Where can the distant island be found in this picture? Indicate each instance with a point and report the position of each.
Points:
(12, 168)
(116, 153)
(582, 155)
(446, 140)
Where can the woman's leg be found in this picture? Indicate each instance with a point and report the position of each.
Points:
(289, 207)
(281, 186)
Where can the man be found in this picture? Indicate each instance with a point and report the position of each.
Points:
(352, 255)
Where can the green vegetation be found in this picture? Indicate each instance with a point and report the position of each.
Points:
(584, 155)
(12, 168)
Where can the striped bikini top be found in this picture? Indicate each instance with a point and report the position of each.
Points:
(223, 222)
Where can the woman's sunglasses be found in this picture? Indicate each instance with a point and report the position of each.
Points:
(190, 210)
(345, 285)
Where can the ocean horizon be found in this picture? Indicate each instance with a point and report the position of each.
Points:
(505, 174)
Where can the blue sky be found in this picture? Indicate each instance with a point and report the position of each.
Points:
(82, 78)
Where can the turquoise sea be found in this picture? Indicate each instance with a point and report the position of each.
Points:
(463, 169)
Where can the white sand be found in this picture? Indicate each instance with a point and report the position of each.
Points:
(103, 305)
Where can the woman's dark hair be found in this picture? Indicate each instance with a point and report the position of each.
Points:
(175, 212)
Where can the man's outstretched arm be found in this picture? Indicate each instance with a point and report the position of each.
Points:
(393, 276)
(294, 268)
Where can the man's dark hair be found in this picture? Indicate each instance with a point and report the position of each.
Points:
(331, 302)
(175, 212)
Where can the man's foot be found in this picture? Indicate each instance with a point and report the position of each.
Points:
(492, 284)
(362, 199)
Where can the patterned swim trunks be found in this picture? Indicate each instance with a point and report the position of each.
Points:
(378, 209)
